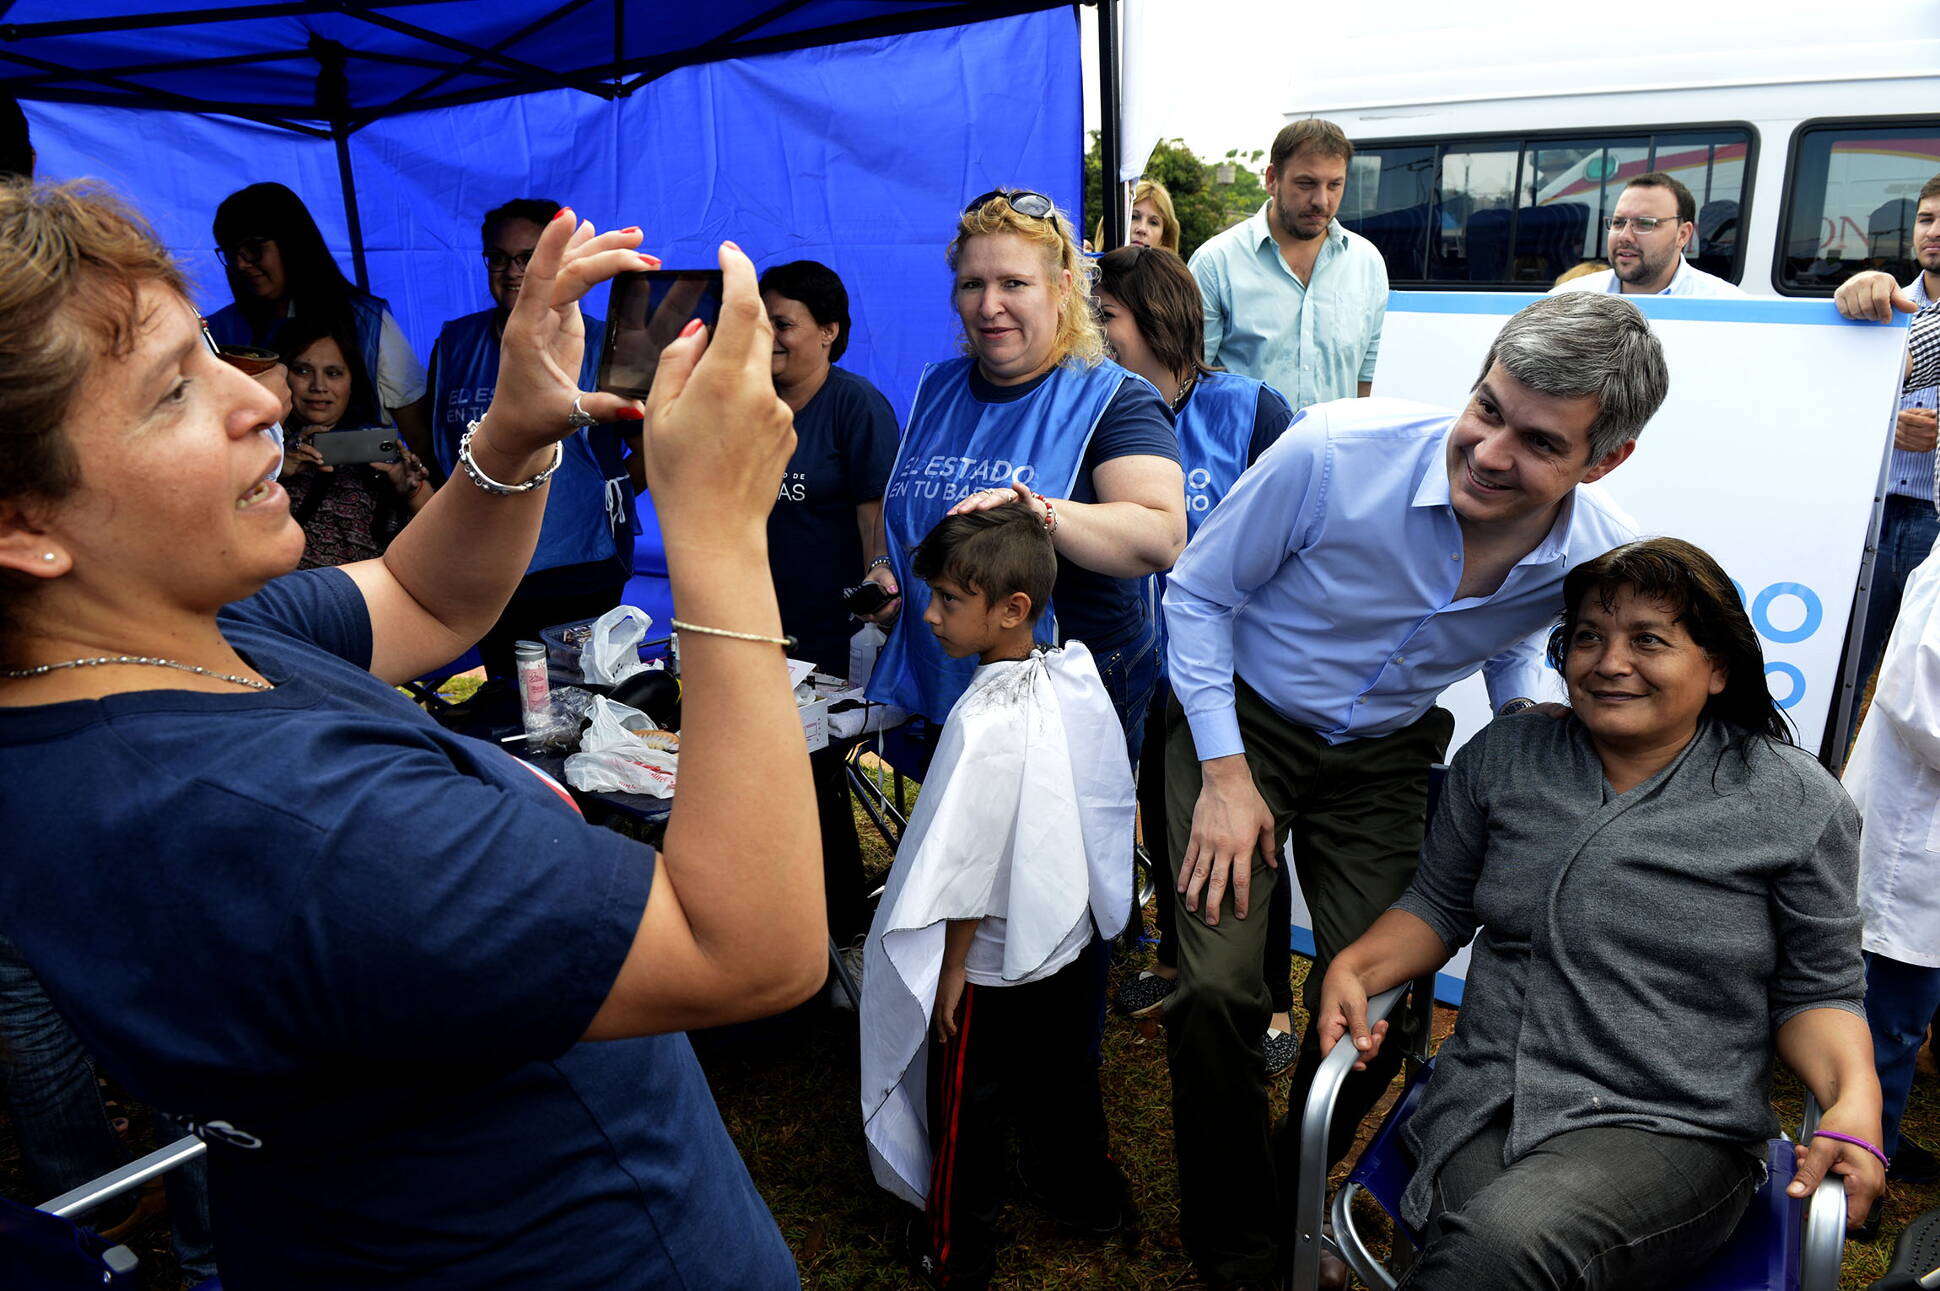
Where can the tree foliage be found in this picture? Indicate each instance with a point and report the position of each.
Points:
(1203, 204)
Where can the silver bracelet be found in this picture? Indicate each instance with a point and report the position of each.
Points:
(876, 564)
(489, 485)
(1514, 706)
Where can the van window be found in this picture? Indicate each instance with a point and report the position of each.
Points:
(1518, 211)
(1849, 201)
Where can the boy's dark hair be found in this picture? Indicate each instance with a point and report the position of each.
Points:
(993, 553)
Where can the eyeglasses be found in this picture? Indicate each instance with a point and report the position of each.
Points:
(1641, 223)
(1031, 205)
(499, 262)
(249, 251)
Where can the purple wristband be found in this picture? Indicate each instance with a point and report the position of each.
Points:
(1858, 1142)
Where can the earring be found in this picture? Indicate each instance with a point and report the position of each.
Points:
(47, 556)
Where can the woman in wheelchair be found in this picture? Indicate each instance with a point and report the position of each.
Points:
(1660, 887)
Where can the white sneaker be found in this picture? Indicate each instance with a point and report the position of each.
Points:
(851, 957)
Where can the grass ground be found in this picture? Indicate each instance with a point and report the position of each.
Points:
(787, 1090)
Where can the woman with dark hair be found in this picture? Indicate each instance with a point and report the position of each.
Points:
(279, 271)
(426, 1018)
(1663, 888)
(351, 511)
(1149, 305)
(825, 529)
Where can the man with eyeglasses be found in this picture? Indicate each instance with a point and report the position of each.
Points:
(585, 552)
(1655, 220)
(1291, 297)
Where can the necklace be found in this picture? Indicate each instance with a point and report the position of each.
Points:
(99, 660)
(1185, 391)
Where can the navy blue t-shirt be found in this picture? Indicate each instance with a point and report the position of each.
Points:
(357, 952)
(1097, 609)
(845, 443)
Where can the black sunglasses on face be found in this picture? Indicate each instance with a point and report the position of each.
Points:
(1034, 206)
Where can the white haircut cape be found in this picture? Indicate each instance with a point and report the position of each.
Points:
(1026, 813)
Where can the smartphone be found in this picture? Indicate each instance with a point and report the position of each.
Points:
(645, 313)
(865, 598)
(350, 447)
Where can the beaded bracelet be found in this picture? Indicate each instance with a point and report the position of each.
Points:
(876, 564)
(785, 642)
(1050, 514)
(1856, 1141)
(485, 483)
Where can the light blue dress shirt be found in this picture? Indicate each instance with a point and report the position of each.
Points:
(1327, 579)
(1312, 342)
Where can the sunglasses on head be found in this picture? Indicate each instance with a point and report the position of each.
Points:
(1034, 206)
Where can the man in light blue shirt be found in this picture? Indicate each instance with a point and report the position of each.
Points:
(1378, 552)
(1291, 298)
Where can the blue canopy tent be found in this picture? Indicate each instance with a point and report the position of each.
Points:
(847, 131)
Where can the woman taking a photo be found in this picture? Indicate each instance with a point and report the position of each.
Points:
(369, 984)
(826, 526)
(1034, 410)
(279, 270)
(1660, 887)
(1149, 306)
(350, 511)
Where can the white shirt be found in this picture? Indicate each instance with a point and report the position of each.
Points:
(1688, 280)
(1894, 777)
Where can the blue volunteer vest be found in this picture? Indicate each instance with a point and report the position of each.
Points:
(1215, 431)
(590, 511)
(953, 446)
(230, 326)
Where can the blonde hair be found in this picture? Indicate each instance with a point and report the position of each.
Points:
(1582, 269)
(1079, 335)
(1147, 190)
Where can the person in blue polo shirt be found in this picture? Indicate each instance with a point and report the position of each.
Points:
(585, 551)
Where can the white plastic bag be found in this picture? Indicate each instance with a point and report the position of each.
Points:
(612, 758)
(612, 653)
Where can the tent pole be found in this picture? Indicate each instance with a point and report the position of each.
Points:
(1111, 127)
(340, 135)
(333, 102)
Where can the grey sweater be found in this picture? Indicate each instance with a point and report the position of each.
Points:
(1636, 954)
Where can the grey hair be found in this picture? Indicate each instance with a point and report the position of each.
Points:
(1587, 343)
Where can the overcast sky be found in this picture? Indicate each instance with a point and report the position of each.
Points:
(1228, 98)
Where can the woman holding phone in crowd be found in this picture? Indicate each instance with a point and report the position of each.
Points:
(1034, 411)
(279, 270)
(373, 987)
(1149, 306)
(826, 526)
(352, 510)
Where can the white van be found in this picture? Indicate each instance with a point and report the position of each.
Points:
(1488, 152)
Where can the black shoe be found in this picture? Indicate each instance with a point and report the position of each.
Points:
(1110, 1211)
(1145, 994)
(929, 1270)
(1914, 1164)
(1278, 1051)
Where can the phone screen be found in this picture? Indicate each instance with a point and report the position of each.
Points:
(646, 312)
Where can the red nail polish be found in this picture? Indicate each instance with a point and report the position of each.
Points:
(630, 413)
(693, 325)
(651, 262)
(564, 211)
(736, 246)
(631, 228)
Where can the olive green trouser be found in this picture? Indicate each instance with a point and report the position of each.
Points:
(1355, 813)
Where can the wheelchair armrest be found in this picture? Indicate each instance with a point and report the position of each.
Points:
(1311, 1204)
(1825, 1219)
(133, 1175)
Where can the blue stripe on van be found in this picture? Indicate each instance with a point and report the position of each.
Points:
(1810, 313)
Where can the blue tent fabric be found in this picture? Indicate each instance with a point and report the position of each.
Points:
(858, 154)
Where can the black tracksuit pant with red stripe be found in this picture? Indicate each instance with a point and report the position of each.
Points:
(1020, 1058)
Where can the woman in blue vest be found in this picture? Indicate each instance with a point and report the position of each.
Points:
(280, 270)
(826, 525)
(1150, 308)
(1034, 408)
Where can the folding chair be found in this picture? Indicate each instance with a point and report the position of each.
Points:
(41, 1250)
(1781, 1244)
